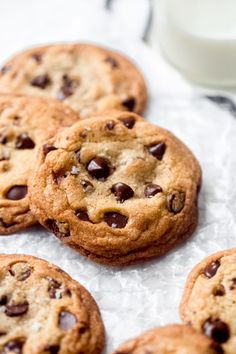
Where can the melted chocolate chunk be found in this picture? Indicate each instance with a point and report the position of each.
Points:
(17, 309)
(60, 229)
(211, 269)
(21, 274)
(151, 190)
(157, 150)
(3, 139)
(129, 103)
(47, 148)
(122, 191)
(14, 346)
(52, 349)
(24, 142)
(41, 81)
(175, 202)
(98, 168)
(128, 122)
(217, 330)
(67, 320)
(110, 124)
(113, 62)
(67, 88)
(219, 290)
(115, 220)
(5, 69)
(82, 215)
(17, 192)
(217, 348)
(3, 300)
(54, 289)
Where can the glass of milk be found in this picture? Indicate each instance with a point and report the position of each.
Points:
(199, 38)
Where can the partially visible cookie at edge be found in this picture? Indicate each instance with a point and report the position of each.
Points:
(171, 339)
(117, 188)
(88, 78)
(45, 311)
(24, 124)
(209, 300)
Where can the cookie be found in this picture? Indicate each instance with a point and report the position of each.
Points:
(209, 300)
(172, 339)
(116, 188)
(24, 123)
(86, 77)
(45, 311)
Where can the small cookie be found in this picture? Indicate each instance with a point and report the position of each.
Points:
(117, 189)
(24, 123)
(86, 77)
(172, 339)
(209, 301)
(45, 311)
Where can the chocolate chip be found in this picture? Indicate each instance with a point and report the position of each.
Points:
(3, 139)
(216, 329)
(122, 191)
(98, 168)
(217, 348)
(24, 142)
(129, 103)
(87, 186)
(128, 122)
(152, 189)
(110, 124)
(67, 88)
(3, 300)
(21, 271)
(5, 69)
(52, 349)
(82, 215)
(219, 290)
(41, 81)
(175, 201)
(16, 310)
(157, 150)
(47, 148)
(17, 192)
(67, 320)
(54, 289)
(211, 269)
(60, 229)
(115, 220)
(14, 346)
(112, 62)
(37, 57)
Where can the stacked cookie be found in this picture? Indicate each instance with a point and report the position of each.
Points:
(112, 186)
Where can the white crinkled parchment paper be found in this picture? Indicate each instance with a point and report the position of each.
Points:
(137, 298)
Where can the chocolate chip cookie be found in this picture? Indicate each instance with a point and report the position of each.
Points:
(172, 339)
(86, 77)
(24, 123)
(209, 301)
(45, 311)
(116, 188)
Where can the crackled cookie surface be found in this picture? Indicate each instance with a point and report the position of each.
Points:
(116, 188)
(86, 77)
(44, 311)
(24, 123)
(209, 301)
(172, 339)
